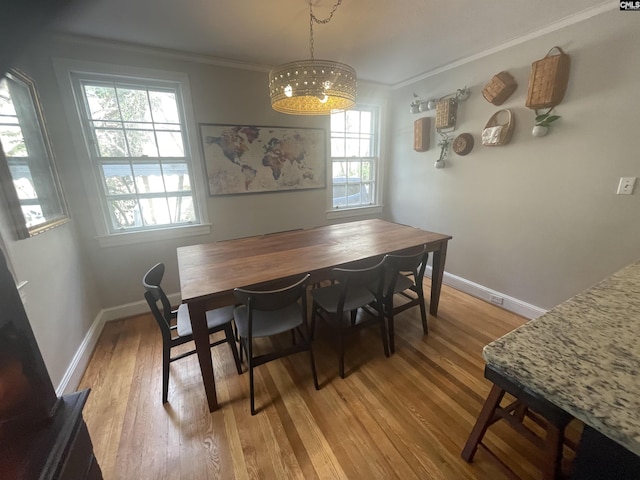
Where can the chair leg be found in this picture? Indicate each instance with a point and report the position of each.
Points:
(313, 363)
(312, 327)
(166, 359)
(423, 314)
(231, 340)
(251, 390)
(392, 335)
(383, 334)
(341, 351)
(483, 422)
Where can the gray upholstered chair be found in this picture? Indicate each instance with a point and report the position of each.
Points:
(267, 312)
(404, 273)
(175, 325)
(337, 304)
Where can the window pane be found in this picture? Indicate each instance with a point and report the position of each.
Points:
(353, 147)
(111, 143)
(102, 102)
(170, 144)
(155, 211)
(353, 121)
(125, 213)
(23, 181)
(33, 215)
(148, 178)
(134, 104)
(366, 172)
(337, 122)
(354, 171)
(365, 147)
(118, 179)
(176, 177)
(365, 122)
(6, 104)
(142, 143)
(337, 146)
(339, 169)
(181, 209)
(13, 141)
(164, 107)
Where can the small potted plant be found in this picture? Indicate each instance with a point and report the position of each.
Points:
(543, 122)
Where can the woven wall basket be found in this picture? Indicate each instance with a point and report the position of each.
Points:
(496, 134)
(446, 111)
(501, 86)
(548, 80)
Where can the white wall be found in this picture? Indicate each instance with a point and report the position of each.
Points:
(537, 219)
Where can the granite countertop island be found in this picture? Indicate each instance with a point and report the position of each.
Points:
(584, 356)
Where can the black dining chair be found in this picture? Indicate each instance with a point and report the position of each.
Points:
(175, 325)
(337, 304)
(267, 312)
(404, 274)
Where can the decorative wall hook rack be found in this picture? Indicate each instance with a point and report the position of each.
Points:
(419, 105)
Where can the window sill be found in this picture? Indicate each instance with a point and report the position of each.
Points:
(353, 212)
(131, 238)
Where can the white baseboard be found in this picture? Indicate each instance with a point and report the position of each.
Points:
(479, 291)
(73, 375)
(78, 365)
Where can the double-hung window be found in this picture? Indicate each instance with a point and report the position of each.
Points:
(139, 150)
(354, 158)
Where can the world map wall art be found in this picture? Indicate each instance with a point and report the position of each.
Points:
(252, 159)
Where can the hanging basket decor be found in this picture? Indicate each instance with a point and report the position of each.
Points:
(548, 80)
(501, 86)
(497, 134)
(463, 144)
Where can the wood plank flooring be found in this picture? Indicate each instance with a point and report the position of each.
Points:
(405, 417)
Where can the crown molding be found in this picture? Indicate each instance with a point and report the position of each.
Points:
(563, 23)
(162, 52)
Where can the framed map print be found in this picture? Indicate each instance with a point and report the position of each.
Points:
(251, 159)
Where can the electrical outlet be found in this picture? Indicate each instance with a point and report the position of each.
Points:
(496, 299)
(625, 187)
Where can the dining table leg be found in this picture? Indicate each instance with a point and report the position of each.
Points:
(197, 314)
(437, 273)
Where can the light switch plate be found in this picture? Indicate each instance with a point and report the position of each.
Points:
(625, 187)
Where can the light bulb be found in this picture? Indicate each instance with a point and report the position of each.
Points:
(323, 98)
(288, 91)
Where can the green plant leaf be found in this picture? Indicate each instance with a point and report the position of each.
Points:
(552, 118)
(539, 118)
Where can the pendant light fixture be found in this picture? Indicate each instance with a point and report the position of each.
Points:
(313, 87)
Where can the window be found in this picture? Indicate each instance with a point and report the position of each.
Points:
(354, 158)
(28, 177)
(138, 147)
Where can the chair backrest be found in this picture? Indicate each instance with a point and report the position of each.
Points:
(414, 262)
(371, 278)
(157, 299)
(268, 300)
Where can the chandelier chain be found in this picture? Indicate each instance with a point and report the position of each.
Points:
(324, 21)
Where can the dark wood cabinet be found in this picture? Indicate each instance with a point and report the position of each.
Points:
(57, 448)
(42, 436)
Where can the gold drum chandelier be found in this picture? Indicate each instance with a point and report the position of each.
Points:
(313, 87)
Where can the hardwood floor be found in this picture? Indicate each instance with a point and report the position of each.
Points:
(405, 417)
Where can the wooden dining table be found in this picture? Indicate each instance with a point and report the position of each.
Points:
(209, 272)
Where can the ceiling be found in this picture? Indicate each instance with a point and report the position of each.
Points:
(386, 41)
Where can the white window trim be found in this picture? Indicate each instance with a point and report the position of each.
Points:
(63, 68)
(378, 206)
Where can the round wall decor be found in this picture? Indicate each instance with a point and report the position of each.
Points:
(463, 143)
